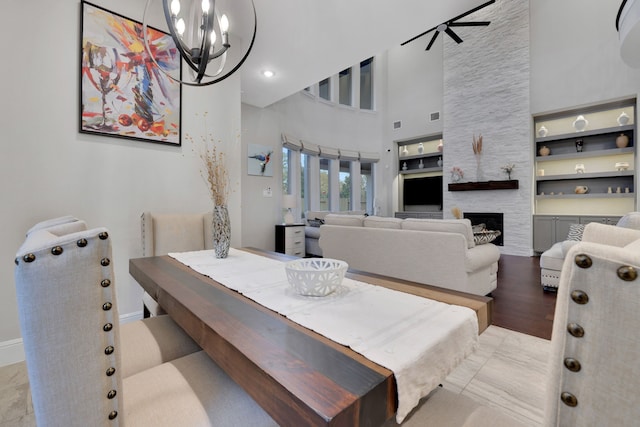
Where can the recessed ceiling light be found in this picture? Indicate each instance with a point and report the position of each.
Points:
(268, 73)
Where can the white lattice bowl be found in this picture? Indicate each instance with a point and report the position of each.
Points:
(316, 277)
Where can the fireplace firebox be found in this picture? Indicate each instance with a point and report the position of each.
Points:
(493, 221)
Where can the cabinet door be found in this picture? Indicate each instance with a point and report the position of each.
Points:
(543, 232)
(562, 226)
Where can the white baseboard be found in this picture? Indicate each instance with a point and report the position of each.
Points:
(12, 351)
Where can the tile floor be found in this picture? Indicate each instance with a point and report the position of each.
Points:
(507, 372)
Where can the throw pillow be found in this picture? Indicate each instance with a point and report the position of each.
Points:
(315, 222)
(575, 232)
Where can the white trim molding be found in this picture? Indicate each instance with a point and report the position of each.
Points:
(11, 352)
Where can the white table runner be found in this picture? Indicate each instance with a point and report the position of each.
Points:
(420, 340)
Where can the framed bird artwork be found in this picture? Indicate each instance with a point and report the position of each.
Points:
(260, 160)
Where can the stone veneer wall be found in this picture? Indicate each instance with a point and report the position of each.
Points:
(486, 91)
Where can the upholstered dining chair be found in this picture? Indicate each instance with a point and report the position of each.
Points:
(85, 369)
(172, 232)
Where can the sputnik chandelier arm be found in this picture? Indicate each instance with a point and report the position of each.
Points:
(197, 41)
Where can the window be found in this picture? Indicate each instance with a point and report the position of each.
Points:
(324, 184)
(304, 182)
(344, 87)
(366, 84)
(286, 158)
(324, 89)
(366, 188)
(345, 185)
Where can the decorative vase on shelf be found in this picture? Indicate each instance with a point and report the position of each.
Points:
(622, 140)
(580, 123)
(405, 151)
(542, 132)
(544, 151)
(479, 171)
(440, 146)
(579, 145)
(420, 148)
(623, 119)
(421, 165)
(404, 166)
(221, 231)
(439, 162)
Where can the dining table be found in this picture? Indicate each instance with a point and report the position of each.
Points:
(297, 375)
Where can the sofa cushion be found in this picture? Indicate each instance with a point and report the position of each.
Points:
(460, 226)
(383, 222)
(630, 220)
(315, 222)
(344, 219)
(315, 214)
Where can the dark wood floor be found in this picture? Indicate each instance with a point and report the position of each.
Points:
(520, 304)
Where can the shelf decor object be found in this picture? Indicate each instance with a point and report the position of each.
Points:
(477, 152)
(623, 119)
(622, 140)
(580, 123)
(485, 185)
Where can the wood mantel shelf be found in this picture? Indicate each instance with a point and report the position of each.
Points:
(511, 184)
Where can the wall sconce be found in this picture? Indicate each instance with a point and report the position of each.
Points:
(201, 35)
(289, 202)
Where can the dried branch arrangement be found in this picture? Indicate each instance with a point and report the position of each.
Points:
(477, 145)
(214, 172)
(457, 213)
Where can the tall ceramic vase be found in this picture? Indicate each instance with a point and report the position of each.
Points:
(221, 231)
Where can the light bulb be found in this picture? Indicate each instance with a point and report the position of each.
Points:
(205, 6)
(180, 26)
(175, 7)
(224, 24)
(213, 38)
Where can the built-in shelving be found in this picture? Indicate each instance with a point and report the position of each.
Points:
(585, 158)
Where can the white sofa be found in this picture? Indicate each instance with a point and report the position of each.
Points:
(312, 230)
(552, 259)
(430, 251)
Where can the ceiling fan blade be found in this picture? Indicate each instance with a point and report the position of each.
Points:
(475, 9)
(453, 35)
(470, 24)
(418, 36)
(433, 39)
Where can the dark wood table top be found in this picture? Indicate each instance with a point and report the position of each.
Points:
(298, 376)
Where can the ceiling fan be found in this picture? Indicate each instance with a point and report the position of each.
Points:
(446, 26)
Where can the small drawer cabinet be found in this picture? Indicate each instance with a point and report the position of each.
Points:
(290, 239)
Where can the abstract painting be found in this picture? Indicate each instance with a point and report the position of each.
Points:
(260, 161)
(123, 93)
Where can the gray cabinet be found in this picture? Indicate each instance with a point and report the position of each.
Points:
(609, 220)
(549, 229)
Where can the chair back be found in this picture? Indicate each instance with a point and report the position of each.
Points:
(594, 373)
(164, 233)
(69, 321)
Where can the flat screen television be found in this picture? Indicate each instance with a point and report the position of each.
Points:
(423, 191)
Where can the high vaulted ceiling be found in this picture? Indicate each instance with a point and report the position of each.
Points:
(305, 41)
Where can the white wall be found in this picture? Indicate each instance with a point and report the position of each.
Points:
(48, 169)
(575, 55)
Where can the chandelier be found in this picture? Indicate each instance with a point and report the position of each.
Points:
(201, 36)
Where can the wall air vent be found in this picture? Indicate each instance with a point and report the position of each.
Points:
(397, 125)
(434, 116)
